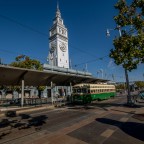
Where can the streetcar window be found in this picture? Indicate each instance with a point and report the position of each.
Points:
(78, 90)
(84, 90)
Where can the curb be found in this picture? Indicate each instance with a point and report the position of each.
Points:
(27, 109)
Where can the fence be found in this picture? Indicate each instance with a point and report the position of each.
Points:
(27, 101)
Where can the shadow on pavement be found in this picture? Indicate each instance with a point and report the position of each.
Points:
(24, 116)
(133, 129)
(37, 121)
(22, 121)
(139, 117)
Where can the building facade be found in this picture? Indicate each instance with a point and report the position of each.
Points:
(58, 42)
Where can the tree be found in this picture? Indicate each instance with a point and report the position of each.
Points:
(40, 89)
(120, 87)
(23, 61)
(139, 84)
(129, 47)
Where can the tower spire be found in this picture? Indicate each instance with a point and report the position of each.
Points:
(58, 44)
(57, 5)
(58, 14)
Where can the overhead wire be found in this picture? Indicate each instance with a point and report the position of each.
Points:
(90, 61)
(44, 34)
(23, 25)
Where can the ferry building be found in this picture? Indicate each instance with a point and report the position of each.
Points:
(58, 43)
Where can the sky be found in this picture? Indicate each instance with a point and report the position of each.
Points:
(25, 24)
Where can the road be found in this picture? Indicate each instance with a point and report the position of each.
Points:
(104, 122)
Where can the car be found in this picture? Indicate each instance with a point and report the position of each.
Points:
(141, 94)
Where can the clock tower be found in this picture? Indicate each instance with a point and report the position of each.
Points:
(58, 42)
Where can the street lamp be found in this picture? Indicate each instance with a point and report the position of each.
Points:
(97, 73)
(129, 100)
(101, 70)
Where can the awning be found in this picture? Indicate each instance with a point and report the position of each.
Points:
(13, 76)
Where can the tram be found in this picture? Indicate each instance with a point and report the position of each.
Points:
(85, 93)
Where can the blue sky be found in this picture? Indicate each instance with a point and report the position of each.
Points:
(24, 27)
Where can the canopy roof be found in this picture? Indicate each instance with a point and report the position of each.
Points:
(13, 76)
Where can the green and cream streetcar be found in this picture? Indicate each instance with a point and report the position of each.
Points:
(85, 93)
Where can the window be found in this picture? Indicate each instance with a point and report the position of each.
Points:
(84, 90)
(62, 31)
(79, 90)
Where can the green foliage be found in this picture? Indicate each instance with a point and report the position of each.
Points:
(2, 87)
(120, 87)
(23, 61)
(14, 88)
(129, 47)
(41, 88)
(140, 84)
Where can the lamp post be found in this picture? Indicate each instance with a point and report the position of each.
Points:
(129, 100)
(101, 70)
(97, 73)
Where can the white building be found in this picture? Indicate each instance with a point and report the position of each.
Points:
(58, 43)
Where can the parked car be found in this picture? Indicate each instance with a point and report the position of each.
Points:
(141, 94)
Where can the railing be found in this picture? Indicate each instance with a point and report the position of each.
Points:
(65, 70)
(27, 101)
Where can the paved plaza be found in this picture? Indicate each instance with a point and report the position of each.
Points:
(105, 122)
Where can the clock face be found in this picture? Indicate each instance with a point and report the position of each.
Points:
(63, 47)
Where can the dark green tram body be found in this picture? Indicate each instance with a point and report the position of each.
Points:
(90, 95)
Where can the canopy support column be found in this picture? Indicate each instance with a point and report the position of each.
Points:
(71, 92)
(52, 99)
(22, 93)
